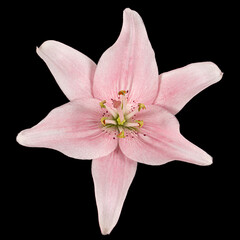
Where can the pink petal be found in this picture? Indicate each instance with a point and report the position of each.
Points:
(177, 87)
(72, 70)
(112, 177)
(73, 129)
(128, 65)
(162, 141)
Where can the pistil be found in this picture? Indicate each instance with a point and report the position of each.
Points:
(118, 106)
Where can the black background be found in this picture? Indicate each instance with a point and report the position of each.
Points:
(51, 195)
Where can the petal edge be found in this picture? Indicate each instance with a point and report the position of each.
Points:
(179, 86)
(129, 64)
(160, 141)
(112, 177)
(72, 70)
(73, 129)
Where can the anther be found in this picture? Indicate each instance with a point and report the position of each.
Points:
(141, 106)
(121, 134)
(103, 121)
(140, 123)
(122, 92)
(102, 104)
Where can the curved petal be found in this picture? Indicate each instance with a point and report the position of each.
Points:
(73, 129)
(160, 141)
(72, 70)
(128, 65)
(177, 87)
(112, 177)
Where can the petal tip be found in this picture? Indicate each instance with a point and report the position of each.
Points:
(105, 227)
(105, 231)
(127, 10)
(20, 138)
(37, 51)
(217, 73)
(208, 160)
(45, 45)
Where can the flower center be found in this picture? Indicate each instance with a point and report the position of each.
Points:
(120, 117)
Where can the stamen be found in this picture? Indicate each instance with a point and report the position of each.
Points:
(121, 134)
(131, 125)
(140, 123)
(141, 106)
(121, 112)
(137, 123)
(122, 92)
(103, 121)
(108, 121)
(102, 104)
(111, 111)
(131, 114)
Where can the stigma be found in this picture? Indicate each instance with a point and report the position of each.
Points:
(120, 114)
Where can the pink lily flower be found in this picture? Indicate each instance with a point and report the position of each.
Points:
(121, 112)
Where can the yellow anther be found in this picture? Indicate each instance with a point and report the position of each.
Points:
(120, 122)
(140, 123)
(141, 106)
(122, 92)
(121, 134)
(102, 104)
(103, 121)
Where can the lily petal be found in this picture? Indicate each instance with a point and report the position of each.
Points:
(112, 177)
(179, 86)
(72, 129)
(160, 141)
(128, 65)
(72, 70)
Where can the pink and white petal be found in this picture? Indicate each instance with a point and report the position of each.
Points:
(179, 86)
(72, 70)
(128, 65)
(73, 129)
(159, 141)
(112, 175)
